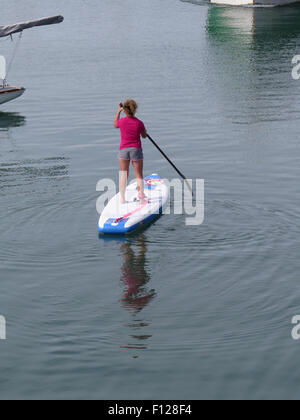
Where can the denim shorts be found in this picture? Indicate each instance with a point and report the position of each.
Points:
(131, 154)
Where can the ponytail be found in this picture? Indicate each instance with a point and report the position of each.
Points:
(130, 107)
(131, 114)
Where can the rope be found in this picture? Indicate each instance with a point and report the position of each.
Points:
(14, 53)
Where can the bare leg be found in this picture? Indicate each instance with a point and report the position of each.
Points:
(138, 169)
(124, 175)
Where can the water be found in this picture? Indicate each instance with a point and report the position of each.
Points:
(175, 312)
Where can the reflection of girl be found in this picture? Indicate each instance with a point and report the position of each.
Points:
(135, 277)
(131, 146)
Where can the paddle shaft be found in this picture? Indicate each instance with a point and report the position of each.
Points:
(171, 163)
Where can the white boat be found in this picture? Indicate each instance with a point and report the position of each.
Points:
(261, 3)
(7, 92)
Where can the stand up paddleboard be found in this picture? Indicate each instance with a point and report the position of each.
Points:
(121, 219)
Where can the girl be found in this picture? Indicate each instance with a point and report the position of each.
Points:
(131, 147)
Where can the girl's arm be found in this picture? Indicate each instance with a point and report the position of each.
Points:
(144, 131)
(116, 125)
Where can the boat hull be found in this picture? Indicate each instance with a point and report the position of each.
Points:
(10, 93)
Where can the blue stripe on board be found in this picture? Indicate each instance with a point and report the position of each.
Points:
(119, 229)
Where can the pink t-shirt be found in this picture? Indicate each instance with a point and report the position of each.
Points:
(131, 130)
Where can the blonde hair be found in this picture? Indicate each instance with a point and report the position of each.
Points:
(130, 107)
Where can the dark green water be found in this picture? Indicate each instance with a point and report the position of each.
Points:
(175, 312)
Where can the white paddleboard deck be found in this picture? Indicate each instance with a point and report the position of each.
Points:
(121, 219)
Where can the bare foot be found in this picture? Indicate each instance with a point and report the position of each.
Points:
(142, 198)
(122, 201)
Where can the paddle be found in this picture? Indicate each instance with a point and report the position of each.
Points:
(172, 164)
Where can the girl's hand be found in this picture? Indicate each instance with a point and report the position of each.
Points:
(118, 116)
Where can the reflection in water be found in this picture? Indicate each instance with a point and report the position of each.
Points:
(274, 24)
(10, 120)
(137, 295)
(250, 62)
(135, 277)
